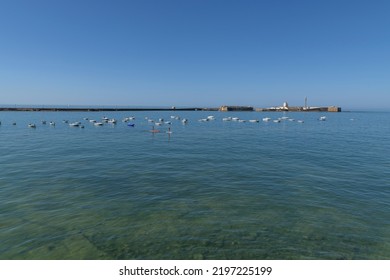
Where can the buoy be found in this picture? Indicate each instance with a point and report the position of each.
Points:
(154, 130)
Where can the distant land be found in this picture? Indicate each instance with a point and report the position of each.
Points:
(224, 108)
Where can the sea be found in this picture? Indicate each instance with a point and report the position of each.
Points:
(294, 187)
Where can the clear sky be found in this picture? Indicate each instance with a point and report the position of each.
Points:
(195, 52)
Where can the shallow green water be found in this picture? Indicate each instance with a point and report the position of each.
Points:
(209, 190)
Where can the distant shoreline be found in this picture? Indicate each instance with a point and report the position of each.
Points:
(96, 109)
(123, 109)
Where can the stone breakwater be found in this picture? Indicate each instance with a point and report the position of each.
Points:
(88, 109)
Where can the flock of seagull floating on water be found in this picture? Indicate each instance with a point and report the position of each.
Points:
(161, 121)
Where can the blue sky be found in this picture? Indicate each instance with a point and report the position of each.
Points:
(195, 53)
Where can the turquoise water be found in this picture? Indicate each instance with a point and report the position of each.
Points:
(208, 190)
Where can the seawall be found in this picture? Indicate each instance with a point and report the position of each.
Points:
(87, 109)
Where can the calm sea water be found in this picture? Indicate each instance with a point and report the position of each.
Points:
(208, 190)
